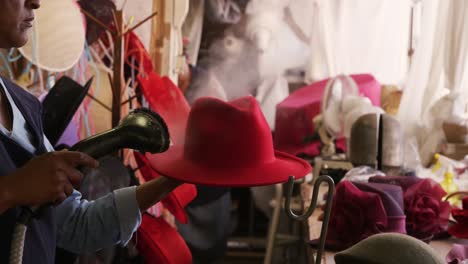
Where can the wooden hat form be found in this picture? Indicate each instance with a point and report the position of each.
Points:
(57, 38)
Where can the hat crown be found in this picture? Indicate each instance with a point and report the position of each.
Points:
(228, 134)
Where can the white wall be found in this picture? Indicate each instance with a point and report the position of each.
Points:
(140, 9)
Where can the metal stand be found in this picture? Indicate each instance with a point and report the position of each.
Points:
(274, 224)
(312, 207)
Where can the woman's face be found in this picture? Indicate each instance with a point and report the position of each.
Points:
(16, 18)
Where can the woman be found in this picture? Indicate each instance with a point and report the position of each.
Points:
(32, 174)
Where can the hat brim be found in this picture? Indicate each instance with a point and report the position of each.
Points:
(161, 243)
(175, 205)
(177, 210)
(173, 164)
(171, 202)
(312, 149)
(330, 244)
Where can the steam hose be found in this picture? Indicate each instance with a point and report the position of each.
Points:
(142, 130)
(19, 235)
(17, 244)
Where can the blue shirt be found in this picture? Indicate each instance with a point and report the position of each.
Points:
(84, 226)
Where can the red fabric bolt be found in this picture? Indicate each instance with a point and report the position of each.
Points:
(460, 229)
(426, 213)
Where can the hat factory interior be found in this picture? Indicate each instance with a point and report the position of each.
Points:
(234, 131)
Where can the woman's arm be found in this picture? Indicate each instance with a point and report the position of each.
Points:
(154, 191)
(87, 226)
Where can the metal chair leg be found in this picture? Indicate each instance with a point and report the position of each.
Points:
(312, 207)
(272, 230)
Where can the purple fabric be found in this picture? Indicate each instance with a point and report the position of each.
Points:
(396, 224)
(404, 181)
(70, 135)
(355, 215)
(364, 209)
(392, 199)
(391, 195)
(457, 254)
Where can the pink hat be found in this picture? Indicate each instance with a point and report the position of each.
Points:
(228, 144)
(294, 115)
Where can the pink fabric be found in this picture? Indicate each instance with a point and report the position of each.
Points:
(457, 254)
(396, 224)
(426, 213)
(294, 115)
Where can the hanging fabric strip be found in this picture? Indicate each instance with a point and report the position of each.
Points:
(10, 54)
(289, 19)
(6, 65)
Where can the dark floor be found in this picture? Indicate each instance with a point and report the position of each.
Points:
(230, 260)
(252, 226)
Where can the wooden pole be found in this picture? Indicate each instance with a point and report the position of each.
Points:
(118, 76)
(157, 35)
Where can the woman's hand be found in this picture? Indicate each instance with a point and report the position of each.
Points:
(49, 178)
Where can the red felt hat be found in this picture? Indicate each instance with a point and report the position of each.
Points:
(228, 144)
(167, 100)
(294, 115)
(159, 243)
(165, 97)
(178, 199)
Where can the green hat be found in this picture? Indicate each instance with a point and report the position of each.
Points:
(389, 248)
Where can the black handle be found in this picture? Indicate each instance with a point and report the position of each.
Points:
(142, 130)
